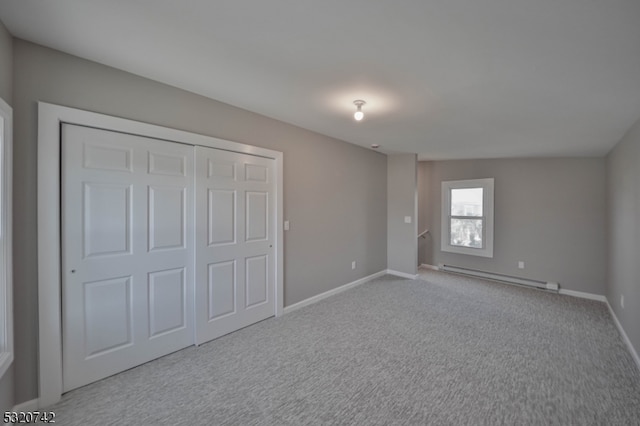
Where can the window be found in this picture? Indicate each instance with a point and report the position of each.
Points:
(6, 304)
(467, 217)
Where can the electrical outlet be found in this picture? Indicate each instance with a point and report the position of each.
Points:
(353, 265)
(286, 225)
(622, 301)
(521, 264)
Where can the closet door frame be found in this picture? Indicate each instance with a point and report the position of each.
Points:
(50, 119)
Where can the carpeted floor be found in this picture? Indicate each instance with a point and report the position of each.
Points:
(441, 350)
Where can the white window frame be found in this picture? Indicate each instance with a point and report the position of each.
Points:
(487, 216)
(6, 276)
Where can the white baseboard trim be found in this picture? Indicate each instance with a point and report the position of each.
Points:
(625, 338)
(583, 295)
(427, 266)
(402, 274)
(32, 405)
(319, 297)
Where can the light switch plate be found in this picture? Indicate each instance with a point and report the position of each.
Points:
(286, 225)
(407, 219)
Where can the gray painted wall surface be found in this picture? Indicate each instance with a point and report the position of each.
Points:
(425, 244)
(6, 65)
(334, 192)
(6, 93)
(623, 189)
(549, 213)
(402, 196)
(6, 391)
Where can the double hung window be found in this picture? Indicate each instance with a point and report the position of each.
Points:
(467, 217)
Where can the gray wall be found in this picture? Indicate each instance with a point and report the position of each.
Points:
(6, 65)
(623, 189)
(6, 93)
(402, 255)
(549, 213)
(425, 212)
(334, 192)
(6, 390)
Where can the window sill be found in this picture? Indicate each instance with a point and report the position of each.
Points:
(468, 251)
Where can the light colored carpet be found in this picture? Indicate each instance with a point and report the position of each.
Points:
(442, 350)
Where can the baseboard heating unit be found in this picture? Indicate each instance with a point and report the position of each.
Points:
(545, 285)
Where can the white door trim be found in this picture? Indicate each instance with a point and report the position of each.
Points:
(50, 118)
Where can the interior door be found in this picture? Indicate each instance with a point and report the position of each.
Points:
(127, 251)
(235, 234)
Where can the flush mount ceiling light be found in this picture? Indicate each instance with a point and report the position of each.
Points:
(358, 115)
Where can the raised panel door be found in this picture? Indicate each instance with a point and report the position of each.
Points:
(127, 251)
(235, 222)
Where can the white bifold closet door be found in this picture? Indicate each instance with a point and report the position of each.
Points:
(235, 261)
(159, 251)
(127, 251)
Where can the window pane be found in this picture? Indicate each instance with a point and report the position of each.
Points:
(466, 202)
(466, 233)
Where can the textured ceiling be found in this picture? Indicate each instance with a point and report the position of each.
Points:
(444, 79)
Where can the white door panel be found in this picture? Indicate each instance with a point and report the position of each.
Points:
(221, 220)
(221, 288)
(127, 251)
(107, 219)
(256, 276)
(167, 301)
(167, 217)
(107, 315)
(101, 155)
(256, 214)
(221, 169)
(256, 173)
(161, 163)
(235, 221)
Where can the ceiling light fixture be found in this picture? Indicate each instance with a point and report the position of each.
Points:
(358, 115)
